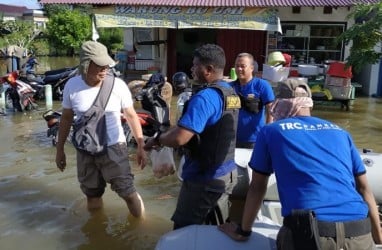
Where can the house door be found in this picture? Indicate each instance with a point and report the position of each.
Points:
(237, 41)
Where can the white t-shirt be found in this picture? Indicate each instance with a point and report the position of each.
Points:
(79, 96)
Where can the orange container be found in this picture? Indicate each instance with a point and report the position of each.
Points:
(339, 69)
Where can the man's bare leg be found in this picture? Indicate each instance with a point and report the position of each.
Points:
(135, 205)
(94, 203)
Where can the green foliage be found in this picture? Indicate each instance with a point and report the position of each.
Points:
(68, 29)
(365, 34)
(20, 33)
(53, 9)
(112, 38)
(41, 47)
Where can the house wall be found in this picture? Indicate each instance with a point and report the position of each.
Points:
(370, 78)
(36, 16)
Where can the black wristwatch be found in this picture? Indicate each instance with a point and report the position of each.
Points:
(241, 232)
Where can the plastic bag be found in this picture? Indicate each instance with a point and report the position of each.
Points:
(162, 161)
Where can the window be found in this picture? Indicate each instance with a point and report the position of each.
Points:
(142, 35)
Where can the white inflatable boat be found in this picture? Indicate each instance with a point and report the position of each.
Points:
(266, 226)
(203, 237)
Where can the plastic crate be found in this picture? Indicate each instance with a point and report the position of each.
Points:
(337, 81)
(341, 93)
(339, 69)
(275, 74)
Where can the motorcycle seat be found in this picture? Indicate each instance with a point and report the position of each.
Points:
(55, 78)
(58, 71)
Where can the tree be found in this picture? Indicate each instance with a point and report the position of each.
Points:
(52, 9)
(68, 29)
(20, 33)
(366, 35)
(112, 38)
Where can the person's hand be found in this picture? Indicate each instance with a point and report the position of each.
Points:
(231, 229)
(141, 157)
(61, 160)
(150, 144)
(377, 236)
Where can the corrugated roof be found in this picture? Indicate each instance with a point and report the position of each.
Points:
(6, 8)
(216, 3)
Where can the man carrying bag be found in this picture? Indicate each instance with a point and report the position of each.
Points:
(108, 161)
(89, 132)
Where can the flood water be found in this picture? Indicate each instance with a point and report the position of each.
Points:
(43, 208)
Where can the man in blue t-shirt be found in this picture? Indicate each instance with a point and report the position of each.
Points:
(30, 64)
(256, 98)
(320, 177)
(207, 131)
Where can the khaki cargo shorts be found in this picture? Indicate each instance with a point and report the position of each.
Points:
(113, 167)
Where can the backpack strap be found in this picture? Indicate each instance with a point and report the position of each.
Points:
(104, 93)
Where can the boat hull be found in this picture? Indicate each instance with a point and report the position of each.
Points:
(206, 237)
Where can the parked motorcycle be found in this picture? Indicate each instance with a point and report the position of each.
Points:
(19, 96)
(155, 113)
(52, 119)
(56, 78)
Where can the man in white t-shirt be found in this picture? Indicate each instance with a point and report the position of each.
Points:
(113, 166)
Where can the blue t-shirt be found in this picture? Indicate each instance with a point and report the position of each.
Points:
(315, 163)
(204, 109)
(249, 124)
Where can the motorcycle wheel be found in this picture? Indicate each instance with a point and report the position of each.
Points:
(55, 137)
(8, 99)
(31, 105)
(58, 92)
(40, 94)
(12, 100)
(53, 132)
(128, 134)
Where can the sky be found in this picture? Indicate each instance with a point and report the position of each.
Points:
(30, 4)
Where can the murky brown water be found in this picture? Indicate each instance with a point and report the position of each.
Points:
(363, 121)
(42, 208)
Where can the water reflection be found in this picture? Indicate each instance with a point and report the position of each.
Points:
(363, 121)
(100, 230)
(42, 208)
